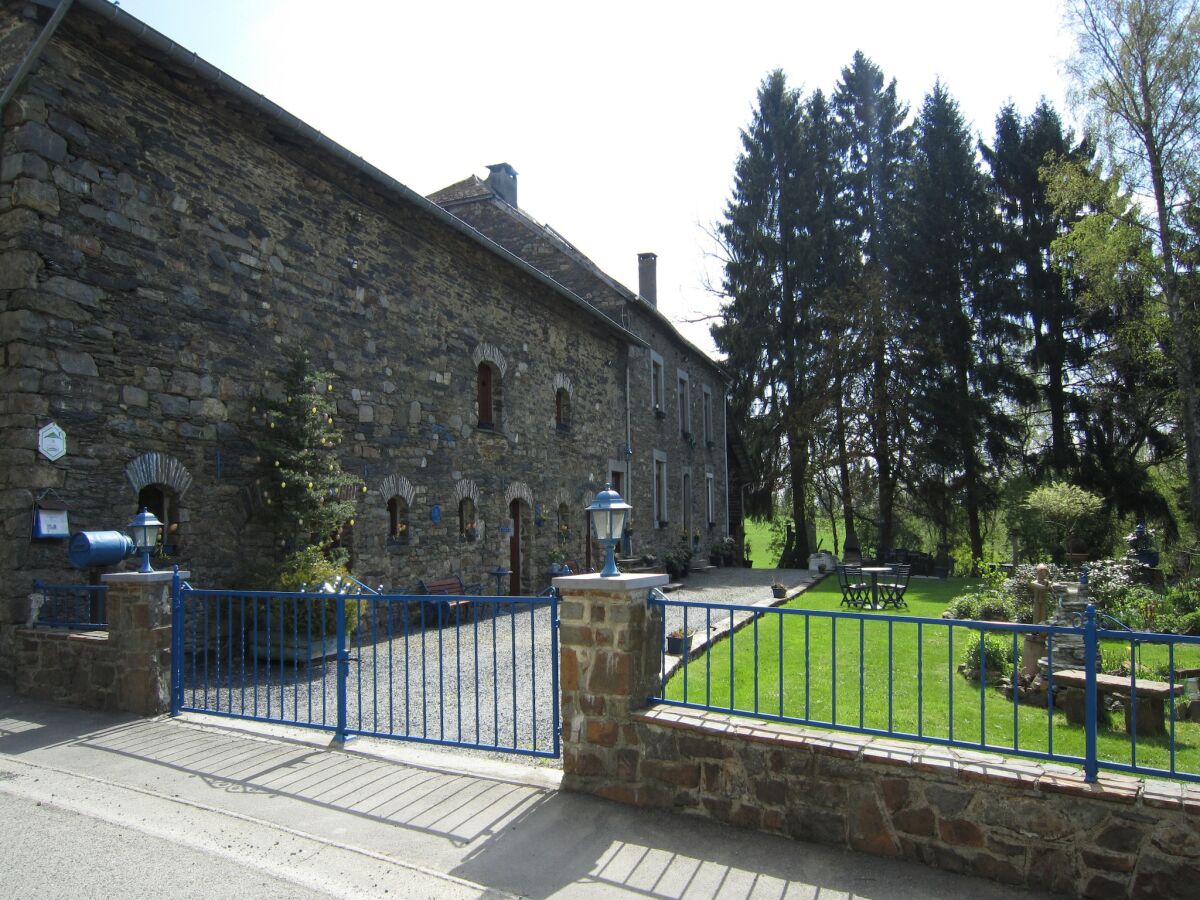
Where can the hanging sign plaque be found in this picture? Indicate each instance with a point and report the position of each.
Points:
(52, 442)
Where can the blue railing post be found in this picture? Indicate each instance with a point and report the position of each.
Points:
(176, 642)
(343, 669)
(1091, 664)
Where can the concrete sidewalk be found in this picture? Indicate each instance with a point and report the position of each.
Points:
(392, 820)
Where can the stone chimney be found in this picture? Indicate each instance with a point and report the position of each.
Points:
(503, 182)
(648, 277)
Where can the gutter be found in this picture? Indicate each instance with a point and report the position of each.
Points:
(160, 43)
(32, 56)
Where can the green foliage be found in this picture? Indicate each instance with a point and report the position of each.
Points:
(308, 569)
(1067, 513)
(965, 606)
(997, 653)
(678, 560)
(306, 493)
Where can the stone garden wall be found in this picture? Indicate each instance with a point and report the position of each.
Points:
(1034, 825)
(126, 668)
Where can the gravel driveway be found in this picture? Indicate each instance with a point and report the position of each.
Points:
(486, 680)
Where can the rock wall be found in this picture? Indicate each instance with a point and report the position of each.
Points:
(162, 244)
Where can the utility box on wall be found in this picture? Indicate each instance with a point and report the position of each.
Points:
(50, 519)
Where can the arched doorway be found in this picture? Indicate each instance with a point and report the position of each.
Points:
(520, 548)
(163, 503)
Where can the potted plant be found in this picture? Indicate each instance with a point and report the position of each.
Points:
(747, 562)
(727, 546)
(556, 559)
(679, 642)
(714, 556)
(778, 590)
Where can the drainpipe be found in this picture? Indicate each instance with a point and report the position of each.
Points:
(32, 56)
(628, 441)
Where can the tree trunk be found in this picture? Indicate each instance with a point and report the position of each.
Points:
(796, 557)
(843, 478)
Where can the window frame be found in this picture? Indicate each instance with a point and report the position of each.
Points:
(657, 385)
(660, 485)
(683, 389)
(706, 413)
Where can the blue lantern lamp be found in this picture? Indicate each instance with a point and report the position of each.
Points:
(145, 529)
(608, 524)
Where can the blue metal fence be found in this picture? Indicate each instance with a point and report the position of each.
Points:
(466, 671)
(897, 676)
(81, 607)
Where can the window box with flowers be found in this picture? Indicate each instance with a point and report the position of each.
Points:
(659, 412)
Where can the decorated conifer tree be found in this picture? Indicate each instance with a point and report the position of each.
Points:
(306, 494)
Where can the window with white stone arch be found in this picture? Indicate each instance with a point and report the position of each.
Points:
(399, 493)
(710, 497)
(160, 481)
(490, 367)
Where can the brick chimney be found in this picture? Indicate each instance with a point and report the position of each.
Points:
(648, 277)
(503, 182)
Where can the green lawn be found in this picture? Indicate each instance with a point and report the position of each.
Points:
(759, 535)
(826, 661)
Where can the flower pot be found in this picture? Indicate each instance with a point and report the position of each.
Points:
(778, 592)
(679, 646)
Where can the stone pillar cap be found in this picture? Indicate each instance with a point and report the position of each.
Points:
(622, 582)
(141, 577)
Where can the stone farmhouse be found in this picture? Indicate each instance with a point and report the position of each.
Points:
(167, 235)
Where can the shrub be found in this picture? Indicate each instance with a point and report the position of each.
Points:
(997, 653)
(310, 570)
(965, 606)
(1068, 515)
(995, 607)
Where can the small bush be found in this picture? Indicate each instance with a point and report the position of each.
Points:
(996, 608)
(965, 606)
(997, 653)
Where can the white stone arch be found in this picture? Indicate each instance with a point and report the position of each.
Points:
(490, 353)
(563, 381)
(563, 497)
(397, 486)
(465, 489)
(158, 468)
(518, 490)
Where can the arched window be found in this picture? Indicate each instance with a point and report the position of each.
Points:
(562, 410)
(163, 503)
(468, 528)
(488, 395)
(398, 520)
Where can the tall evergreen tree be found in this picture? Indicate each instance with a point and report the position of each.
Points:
(960, 307)
(876, 145)
(783, 262)
(1058, 345)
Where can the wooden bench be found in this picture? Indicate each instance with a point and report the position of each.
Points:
(1151, 699)
(450, 587)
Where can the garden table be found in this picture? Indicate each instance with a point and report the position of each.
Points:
(875, 572)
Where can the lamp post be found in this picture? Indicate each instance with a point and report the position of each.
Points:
(608, 524)
(145, 529)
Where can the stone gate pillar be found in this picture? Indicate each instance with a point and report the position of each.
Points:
(610, 655)
(139, 634)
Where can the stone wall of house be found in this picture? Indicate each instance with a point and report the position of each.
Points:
(1017, 822)
(651, 433)
(162, 246)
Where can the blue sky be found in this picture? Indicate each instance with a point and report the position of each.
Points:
(623, 118)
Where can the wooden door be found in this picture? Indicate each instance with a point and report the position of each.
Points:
(514, 549)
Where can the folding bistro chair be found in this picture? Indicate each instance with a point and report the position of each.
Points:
(891, 593)
(854, 592)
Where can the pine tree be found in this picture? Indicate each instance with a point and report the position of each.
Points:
(876, 146)
(307, 495)
(960, 306)
(783, 263)
(1058, 340)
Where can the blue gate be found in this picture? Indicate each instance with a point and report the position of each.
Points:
(459, 670)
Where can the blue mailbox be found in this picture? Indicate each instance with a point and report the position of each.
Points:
(92, 549)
